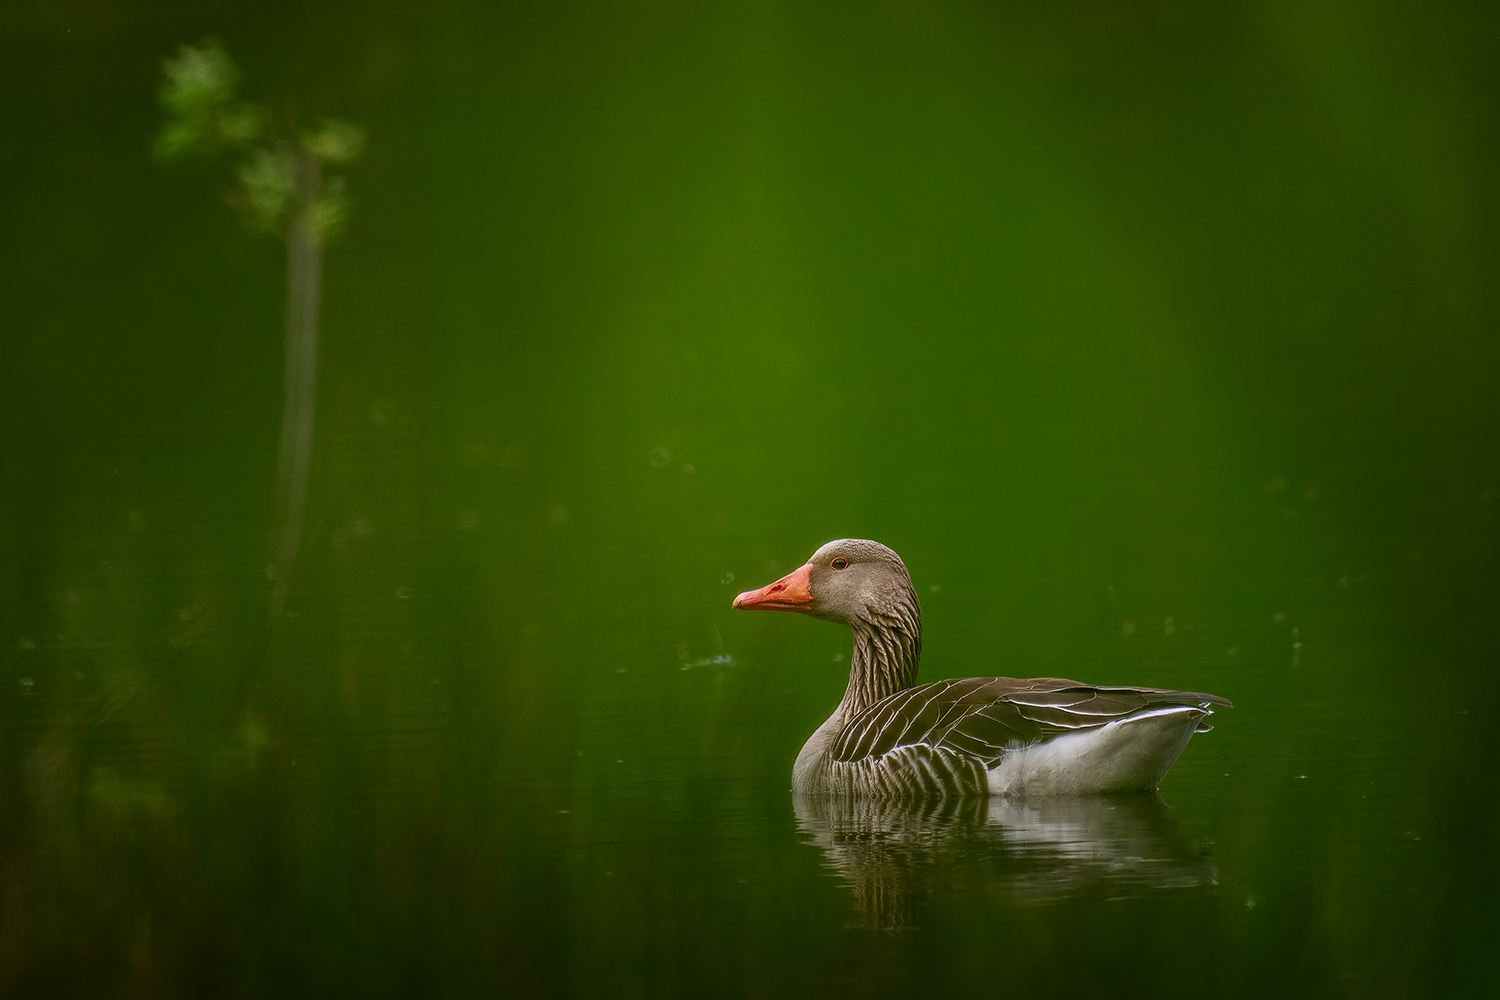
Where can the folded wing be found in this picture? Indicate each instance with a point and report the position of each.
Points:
(983, 717)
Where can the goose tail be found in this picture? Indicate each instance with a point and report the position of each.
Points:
(1131, 754)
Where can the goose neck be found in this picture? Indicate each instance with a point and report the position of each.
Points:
(885, 660)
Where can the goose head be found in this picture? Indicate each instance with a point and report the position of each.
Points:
(852, 581)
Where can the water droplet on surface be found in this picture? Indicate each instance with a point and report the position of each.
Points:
(722, 660)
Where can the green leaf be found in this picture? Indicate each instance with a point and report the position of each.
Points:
(203, 112)
(330, 211)
(266, 180)
(335, 141)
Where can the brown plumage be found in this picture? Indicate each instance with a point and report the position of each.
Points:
(975, 735)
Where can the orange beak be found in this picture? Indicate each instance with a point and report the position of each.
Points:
(790, 593)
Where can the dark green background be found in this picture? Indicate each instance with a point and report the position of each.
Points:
(1175, 315)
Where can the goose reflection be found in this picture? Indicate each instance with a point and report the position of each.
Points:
(1016, 851)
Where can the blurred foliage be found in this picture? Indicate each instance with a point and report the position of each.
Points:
(281, 171)
(335, 142)
(205, 113)
(266, 192)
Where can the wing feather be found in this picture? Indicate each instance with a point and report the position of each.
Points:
(982, 717)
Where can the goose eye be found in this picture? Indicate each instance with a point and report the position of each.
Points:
(839, 563)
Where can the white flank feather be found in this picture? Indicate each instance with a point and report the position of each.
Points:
(1130, 754)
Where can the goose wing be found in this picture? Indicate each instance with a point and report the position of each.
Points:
(982, 717)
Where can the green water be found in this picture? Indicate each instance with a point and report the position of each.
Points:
(1160, 341)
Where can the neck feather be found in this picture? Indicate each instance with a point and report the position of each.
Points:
(887, 652)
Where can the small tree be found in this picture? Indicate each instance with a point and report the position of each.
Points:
(284, 190)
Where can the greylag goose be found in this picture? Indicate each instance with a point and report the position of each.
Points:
(969, 736)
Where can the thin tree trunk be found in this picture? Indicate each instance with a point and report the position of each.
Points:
(304, 281)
